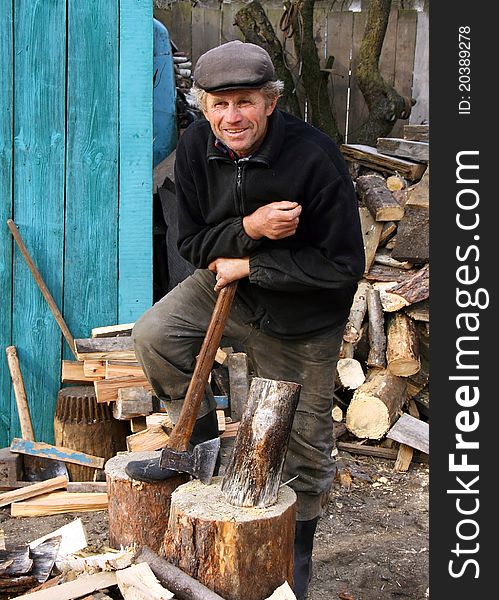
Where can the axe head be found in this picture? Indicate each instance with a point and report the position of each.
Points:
(199, 461)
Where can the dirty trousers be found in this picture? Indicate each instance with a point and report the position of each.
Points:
(168, 337)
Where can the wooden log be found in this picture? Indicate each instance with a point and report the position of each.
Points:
(420, 311)
(239, 382)
(408, 292)
(138, 511)
(395, 182)
(85, 584)
(408, 149)
(376, 404)
(152, 438)
(357, 313)
(377, 337)
(56, 452)
(370, 157)
(384, 257)
(182, 585)
(113, 348)
(80, 423)
(253, 474)
(350, 373)
(379, 200)
(371, 233)
(418, 133)
(132, 402)
(112, 330)
(413, 236)
(379, 272)
(57, 503)
(95, 369)
(209, 540)
(412, 432)
(402, 352)
(106, 390)
(73, 372)
(138, 581)
(337, 413)
(35, 489)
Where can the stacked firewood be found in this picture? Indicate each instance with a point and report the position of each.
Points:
(384, 357)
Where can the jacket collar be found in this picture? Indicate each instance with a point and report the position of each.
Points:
(268, 151)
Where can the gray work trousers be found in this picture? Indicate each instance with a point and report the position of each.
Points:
(168, 338)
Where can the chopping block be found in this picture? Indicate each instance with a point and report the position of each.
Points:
(240, 553)
(138, 511)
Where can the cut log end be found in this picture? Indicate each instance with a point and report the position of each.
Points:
(369, 418)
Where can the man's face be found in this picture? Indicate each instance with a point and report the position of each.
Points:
(239, 118)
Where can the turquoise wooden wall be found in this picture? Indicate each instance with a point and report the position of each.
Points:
(76, 178)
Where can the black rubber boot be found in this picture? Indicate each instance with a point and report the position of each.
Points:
(206, 428)
(304, 543)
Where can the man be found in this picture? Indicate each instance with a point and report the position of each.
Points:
(266, 200)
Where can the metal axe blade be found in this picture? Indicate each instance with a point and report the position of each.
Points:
(199, 462)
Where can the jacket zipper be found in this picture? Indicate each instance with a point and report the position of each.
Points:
(239, 181)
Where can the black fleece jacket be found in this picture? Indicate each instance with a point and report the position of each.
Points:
(300, 285)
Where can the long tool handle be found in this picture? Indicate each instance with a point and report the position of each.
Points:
(20, 394)
(41, 284)
(181, 434)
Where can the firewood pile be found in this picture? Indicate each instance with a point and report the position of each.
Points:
(383, 374)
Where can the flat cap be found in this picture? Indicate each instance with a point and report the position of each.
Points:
(234, 65)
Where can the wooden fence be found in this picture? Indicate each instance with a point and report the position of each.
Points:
(339, 27)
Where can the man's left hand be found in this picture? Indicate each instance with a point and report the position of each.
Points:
(229, 269)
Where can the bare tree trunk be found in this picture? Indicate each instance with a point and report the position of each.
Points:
(384, 103)
(257, 29)
(314, 80)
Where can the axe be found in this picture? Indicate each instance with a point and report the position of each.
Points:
(176, 455)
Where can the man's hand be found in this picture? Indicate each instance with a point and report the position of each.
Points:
(229, 269)
(276, 220)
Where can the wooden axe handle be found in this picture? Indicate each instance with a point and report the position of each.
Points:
(181, 434)
(20, 394)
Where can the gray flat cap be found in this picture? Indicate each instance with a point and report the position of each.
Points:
(234, 65)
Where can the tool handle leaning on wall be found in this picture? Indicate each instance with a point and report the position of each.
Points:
(42, 286)
(20, 394)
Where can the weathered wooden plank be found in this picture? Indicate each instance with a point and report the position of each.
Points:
(412, 432)
(91, 216)
(418, 151)
(358, 111)
(418, 133)
(112, 330)
(206, 24)
(181, 31)
(339, 44)
(117, 348)
(404, 59)
(420, 79)
(368, 156)
(39, 169)
(136, 153)
(56, 452)
(6, 208)
(229, 30)
(387, 57)
(85, 584)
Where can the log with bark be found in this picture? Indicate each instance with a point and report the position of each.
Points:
(373, 192)
(376, 404)
(402, 346)
(214, 541)
(377, 336)
(138, 511)
(357, 313)
(253, 475)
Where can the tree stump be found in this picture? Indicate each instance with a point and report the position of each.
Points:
(138, 511)
(376, 404)
(239, 553)
(82, 424)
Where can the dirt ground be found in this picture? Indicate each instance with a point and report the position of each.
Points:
(371, 544)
